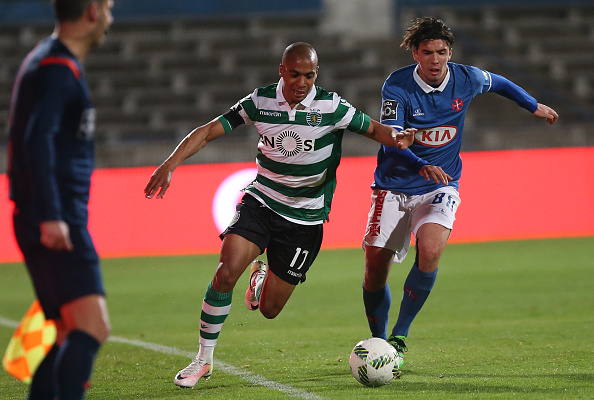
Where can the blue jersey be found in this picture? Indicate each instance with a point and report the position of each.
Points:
(438, 114)
(51, 136)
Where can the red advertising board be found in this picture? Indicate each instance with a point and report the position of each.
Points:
(516, 194)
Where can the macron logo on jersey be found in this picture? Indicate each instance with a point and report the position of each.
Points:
(436, 137)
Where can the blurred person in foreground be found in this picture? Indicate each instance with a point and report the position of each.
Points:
(432, 97)
(50, 162)
(283, 209)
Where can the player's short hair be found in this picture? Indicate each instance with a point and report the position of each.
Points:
(301, 49)
(71, 10)
(426, 28)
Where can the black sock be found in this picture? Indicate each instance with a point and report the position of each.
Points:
(43, 383)
(74, 365)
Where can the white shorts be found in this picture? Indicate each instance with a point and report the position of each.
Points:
(394, 216)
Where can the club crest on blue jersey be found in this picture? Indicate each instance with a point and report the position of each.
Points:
(313, 118)
(389, 108)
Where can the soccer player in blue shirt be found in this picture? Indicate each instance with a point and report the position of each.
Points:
(431, 96)
(51, 159)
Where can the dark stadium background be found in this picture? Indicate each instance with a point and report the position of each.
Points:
(168, 66)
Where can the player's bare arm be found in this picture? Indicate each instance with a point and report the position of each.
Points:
(389, 136)
(386, 134)
(190, 145)
(546, 112)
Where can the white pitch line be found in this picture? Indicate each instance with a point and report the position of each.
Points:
(250, 377)
(8, 322)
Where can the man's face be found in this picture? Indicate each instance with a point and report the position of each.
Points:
(299, 74)
(104, 21)
(432, 57)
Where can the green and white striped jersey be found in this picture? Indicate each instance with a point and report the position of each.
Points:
(299, 149)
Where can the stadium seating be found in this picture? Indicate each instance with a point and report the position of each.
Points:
(154, 81)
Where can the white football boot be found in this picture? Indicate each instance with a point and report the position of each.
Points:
(189, 376)
(257, 273)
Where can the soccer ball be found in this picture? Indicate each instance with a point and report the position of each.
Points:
(374, 362)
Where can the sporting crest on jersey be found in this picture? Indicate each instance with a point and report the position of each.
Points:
(457, 105)
(389, 108)
(436, 137)
(313, 118)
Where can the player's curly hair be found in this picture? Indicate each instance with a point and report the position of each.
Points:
(426, 28)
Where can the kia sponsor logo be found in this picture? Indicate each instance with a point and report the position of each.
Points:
(435, 137)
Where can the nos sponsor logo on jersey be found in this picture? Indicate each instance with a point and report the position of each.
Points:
(438, 136)
(289, 143)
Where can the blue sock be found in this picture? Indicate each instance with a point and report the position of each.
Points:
(74, 364)
(377, 308)
(417, 287)
(43, 384)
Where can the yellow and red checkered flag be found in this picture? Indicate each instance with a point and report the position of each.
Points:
(30, 342)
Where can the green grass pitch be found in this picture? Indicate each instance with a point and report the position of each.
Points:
(505, 320)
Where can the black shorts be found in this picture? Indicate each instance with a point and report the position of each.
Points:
(59, 276)
(291, 248)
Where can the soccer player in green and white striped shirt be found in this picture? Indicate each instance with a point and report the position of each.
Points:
(283, 209)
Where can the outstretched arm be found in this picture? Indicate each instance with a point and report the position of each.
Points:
(389, 136)
(190, 145)
(507, 88)
(386, 134)
(547, 113)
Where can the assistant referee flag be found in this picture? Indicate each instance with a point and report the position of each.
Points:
(31, 341)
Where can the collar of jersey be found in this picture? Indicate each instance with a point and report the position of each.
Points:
(280, 98)
(428, 88)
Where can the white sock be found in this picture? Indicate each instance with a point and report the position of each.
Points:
(206, 353)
